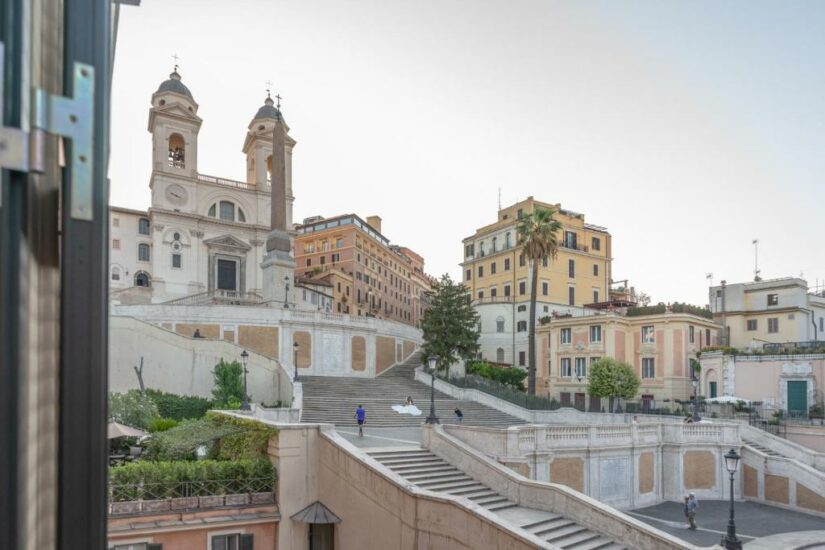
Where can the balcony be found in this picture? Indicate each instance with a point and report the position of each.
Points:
(494, 300)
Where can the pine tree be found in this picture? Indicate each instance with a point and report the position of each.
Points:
(450, 323)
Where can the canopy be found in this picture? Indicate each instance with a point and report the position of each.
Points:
(115, 430)
(316, 513)
(726, 399)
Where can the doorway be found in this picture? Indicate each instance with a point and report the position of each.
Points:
(227, 274)
(712, 389)
(798, 397)
(322, 536)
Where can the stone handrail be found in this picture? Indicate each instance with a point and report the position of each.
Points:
(784, 447)
(796, 473)
(549, 497)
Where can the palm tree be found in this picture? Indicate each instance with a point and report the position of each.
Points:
(538, 239)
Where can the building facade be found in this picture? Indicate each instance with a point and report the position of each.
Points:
(774, 311)
(498, 277)
(659, 347)
(369, 275)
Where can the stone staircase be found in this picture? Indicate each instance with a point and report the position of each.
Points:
(428, 471)
(762, 448)
(334, 400)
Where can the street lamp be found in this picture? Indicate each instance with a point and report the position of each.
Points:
(245, 404)
(295, 347)
(432, 362)
(618, 407)
(730, 542)
(286, 292)
(695, 383)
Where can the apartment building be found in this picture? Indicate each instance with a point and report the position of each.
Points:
(658, 346)
(498, 276)
(773, 311)
(369, 275)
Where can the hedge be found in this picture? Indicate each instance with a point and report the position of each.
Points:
(179, 407)
(225, 437)
(511, 376)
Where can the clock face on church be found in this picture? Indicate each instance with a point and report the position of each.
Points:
(176, 194)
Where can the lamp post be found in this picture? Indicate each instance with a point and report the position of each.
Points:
(730, 542)
(695, 383)
(432, 362)
(245, 404)
(286, 292)
(618, 407)
(295, 347)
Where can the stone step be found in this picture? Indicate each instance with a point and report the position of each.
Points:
(599, 543)
(579, 540)
(541, 523)
(554, 527)
(557, 536)
(491, 500)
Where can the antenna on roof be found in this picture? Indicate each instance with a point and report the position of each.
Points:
(756, 276)
(499, 198)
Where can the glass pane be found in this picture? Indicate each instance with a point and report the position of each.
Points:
(227, 211)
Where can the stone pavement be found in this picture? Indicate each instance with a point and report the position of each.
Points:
(753, 520)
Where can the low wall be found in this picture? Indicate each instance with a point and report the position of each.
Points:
(812, 437)
(780, 481)
(549, 497)
(785, 447)
(183, 365)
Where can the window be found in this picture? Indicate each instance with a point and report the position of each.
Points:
(336, 258)
(648, 336)
(339, 242)
(571, 268)
(116, 244)
(521, 260)
(500, 355)
(596, 243)
(176, 155)
(544, 261)
(143, 226)
(571, 295)
(493, 292)
(323, 260)
(176, 260)
(595, 295)
(137, 546)
(522, 288)
(520, 213)
(752, 325)
(143, 252)
(211, 212)
(569, 239)
(468, 275)
(507, 263)
(468, 251)
(506, 290)
(521, 326)
(545, 288)
(565, 367)
(521, 359)
(595, 333)
(566, 335)
(481, 249)
(499, 324)
(480, 294)
(115, 222)
(309, 262)
(142, 279)
(773, 324)
(495, 247)
(691, 336)
(115, 273)
(822, 324)
(507, 243)
(593, 360)
(235, 541)
(481, 271)
(493, 268)
(648, 368)
(581, 367)
(773, 299)
(707, 336)
(227, 211)
(522, 308)
(595, 270)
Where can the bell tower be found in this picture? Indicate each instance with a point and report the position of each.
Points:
(174, 125)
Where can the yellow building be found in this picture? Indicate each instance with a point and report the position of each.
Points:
(498, 276)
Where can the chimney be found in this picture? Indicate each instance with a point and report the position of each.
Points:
(374, 222)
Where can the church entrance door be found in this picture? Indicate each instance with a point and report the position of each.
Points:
(227, 275)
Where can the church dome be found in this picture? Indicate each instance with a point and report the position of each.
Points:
(268, 110)
(175, 85)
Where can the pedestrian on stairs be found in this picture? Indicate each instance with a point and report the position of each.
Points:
(459, 416)
(361, 417)
(691, 506)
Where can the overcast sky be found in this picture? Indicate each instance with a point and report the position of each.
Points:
(686, 128)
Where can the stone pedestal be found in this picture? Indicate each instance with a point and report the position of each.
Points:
(279, 270)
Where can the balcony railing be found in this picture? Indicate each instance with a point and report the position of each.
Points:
(223, 181)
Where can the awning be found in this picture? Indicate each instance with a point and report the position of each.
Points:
(115, 430)
(316, 513)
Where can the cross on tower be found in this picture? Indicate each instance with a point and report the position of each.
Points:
(278, 98)
(268, 88)
(175, 57)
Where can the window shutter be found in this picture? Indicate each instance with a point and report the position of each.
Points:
(246, 542)
(154, 547)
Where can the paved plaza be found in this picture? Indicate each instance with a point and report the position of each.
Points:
(753, 520)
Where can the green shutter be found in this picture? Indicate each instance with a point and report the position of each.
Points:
(798, 396)
(246, 542)
(154, 547)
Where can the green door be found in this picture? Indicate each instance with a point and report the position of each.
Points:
(798, 397)
(712, 388)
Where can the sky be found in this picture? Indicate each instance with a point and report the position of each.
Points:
(687, 128)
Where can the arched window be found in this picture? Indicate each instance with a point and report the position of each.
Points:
(177, 151)
(500, 324)
(507, 243)
(227, 211)
(211, 212)
(500, 355)
(495, 248)
(142, 279)
(115, 273)
(143, 252)
(241, 217)
(269, 169)
(143, 226)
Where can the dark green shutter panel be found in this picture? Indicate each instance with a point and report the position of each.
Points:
(155, 547)
(246, 542)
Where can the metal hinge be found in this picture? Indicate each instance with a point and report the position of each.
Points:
(71, 118)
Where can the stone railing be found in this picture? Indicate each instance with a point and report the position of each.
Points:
(784, 447)
(223, 181)
(782, 481)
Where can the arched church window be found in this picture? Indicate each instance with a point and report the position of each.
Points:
(143, 226)
(211, 212)
(177, 151)
(142, 279)
(269, 169)
(227, 211)
(241, 216)
(500, 355)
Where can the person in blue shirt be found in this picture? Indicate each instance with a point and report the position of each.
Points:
(361, 417)
(691, 506)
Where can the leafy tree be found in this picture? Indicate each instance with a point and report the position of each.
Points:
(610, 378)
(538, 238)
(133, 408)
(511, 376)
(228, 390)
(450, 323)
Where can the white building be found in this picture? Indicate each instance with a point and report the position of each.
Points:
(771, 311)
(202, 235)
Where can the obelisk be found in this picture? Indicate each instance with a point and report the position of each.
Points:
(279, 265)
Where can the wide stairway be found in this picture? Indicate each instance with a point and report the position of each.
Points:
(334, 400)
(761, 448)
(427, 471)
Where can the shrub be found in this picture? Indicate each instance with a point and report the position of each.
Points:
(162, 424)
(817, 411)
(133, 408)
(228, 390)
(249, 440)
(510, 376)
(179, 407)
(225, 437)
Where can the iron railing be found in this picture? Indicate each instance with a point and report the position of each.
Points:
(505, 392)
(198, 488)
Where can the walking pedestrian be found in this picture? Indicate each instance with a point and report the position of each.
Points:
(691, 507)
(459, 416)
(361, 417)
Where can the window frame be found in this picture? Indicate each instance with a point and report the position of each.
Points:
(595, 330)
(773, 325)
(148, 249)
(565, 336)
(648, 334)
(648, 368)
(773, 300)
(565, 368)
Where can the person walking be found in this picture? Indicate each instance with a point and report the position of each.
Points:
(361, 417)
(459, 416)
(691, 507)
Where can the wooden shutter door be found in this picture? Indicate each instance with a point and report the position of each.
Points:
(246, 542)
